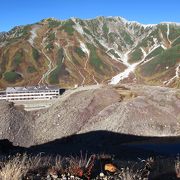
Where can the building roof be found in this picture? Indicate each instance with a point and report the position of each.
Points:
(31, 88)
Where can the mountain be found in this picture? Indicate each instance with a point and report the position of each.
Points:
(83, 52)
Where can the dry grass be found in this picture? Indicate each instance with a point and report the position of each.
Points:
(14, 168)
(138, 173)
(21, 166)
(177, 167)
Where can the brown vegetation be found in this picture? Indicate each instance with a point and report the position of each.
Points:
(30, 167)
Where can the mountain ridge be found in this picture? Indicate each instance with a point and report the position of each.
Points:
(86, 19)
(93, 51)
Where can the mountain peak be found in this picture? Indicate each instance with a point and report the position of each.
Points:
(50, 19)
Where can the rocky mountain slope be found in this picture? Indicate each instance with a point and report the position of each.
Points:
(126, 109)
(101, 50)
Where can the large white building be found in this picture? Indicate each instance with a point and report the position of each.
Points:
(30, 93)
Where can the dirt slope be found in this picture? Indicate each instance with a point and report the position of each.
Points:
(129, 109)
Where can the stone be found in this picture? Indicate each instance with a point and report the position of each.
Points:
(110, 167)
(101, 174)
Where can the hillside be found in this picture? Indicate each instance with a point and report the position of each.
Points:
(84, 52)
(154, 111)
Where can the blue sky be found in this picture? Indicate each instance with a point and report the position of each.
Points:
(21, 12)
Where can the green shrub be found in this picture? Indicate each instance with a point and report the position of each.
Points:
(31, 69)
(163, 28)
(87, 31)
(18, 58)
(57, 73)
(51, 36)
(53, 23)
(68, 27)
(100, 45)
(18, 34)
(105, 29)
(174, 32)
(24, 31)
(49, 46)
(79, 51)
(60, 56)
(94, 26)
(54, 75)
(176, 42)
(113, 53)
(95, 61)
(126, 37)
(50, 39)
(35, 54)
(112, 37)
(167, 58)
(154, 53)
(136, 55)
(149, 39)
(12, 76)
(3, 63)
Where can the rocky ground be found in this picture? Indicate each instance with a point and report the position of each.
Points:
(125, 109)
(129, 122)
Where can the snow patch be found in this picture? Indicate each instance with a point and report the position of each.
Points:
(144, 52)
(110, 48)
(155, 40)
(177, 75)
(116, 79)
(130, 67)
(84, 48)
(77, 26)
(33, 35)
(178, 71)
(125, 59)
(164, 47)
(135, 22)
(168, 30)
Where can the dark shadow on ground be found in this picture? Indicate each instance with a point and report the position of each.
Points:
(120, 145)
(97, 142)
(126, 149)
